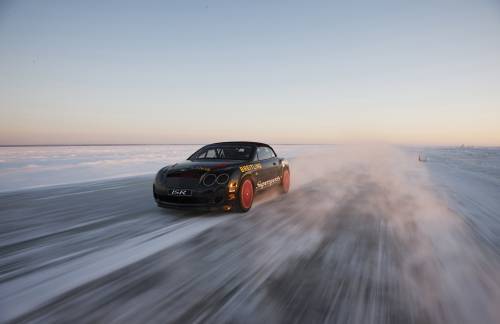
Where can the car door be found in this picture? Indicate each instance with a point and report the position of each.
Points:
(270, 167)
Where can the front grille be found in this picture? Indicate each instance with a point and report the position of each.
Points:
(188, 174)
(183, 179)
(181, 183)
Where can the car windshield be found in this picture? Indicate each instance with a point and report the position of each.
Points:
(223, 152)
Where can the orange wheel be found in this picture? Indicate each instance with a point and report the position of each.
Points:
(246, 195)
(285, 181)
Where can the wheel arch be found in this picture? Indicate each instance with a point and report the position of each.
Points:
(250, 176)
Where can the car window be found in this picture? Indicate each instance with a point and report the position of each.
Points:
(211, 154)
(208, 154)
(265, 153)
(224, 152)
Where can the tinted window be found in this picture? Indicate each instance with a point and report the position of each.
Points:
(265, 153)
(212, 154)
(223, 152)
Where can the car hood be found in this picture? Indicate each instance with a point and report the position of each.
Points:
(207, 166)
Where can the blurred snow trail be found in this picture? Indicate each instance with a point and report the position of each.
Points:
(363, 237)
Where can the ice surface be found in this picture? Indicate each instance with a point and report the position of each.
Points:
(470, 179)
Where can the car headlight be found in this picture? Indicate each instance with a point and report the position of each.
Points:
(209, 179)
(222, 178)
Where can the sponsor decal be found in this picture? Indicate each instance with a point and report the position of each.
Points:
(268, 183)
(250, 167)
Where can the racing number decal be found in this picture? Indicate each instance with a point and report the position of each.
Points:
(250, 167)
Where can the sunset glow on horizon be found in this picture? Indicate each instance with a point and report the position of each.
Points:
(418, 73)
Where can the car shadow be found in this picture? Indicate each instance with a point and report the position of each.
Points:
(191, 213)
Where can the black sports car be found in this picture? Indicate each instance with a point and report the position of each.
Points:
(227, 175)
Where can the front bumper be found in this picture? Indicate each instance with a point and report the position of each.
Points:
(200, 198)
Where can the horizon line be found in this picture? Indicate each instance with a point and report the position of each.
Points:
(159, 144)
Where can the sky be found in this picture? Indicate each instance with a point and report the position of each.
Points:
(104, 72)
